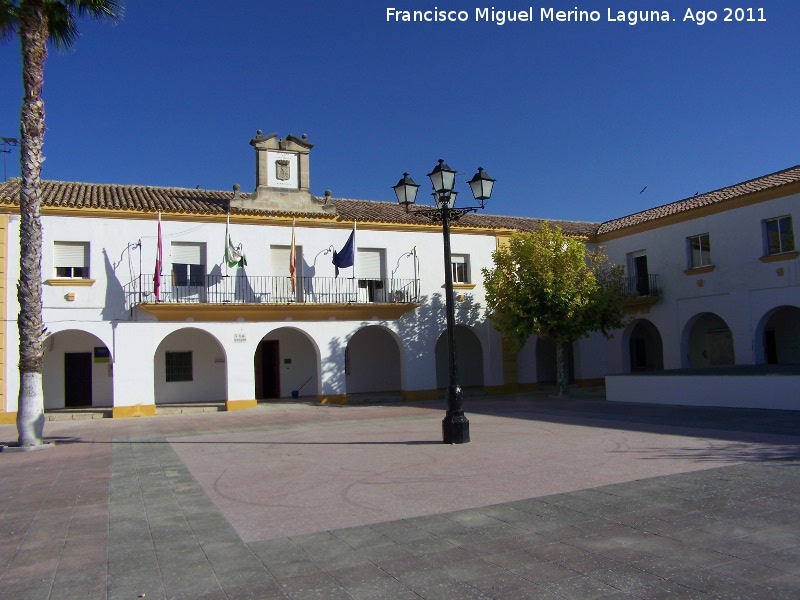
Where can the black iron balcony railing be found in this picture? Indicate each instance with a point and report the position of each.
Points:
(241, 289)
(642, 285)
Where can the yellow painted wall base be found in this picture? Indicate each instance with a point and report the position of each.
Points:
(495, 390)
(528, 387)
(333, 399)
(239, 404)
(420, 395)
(590, 382)
(139, 410)
(8, 418)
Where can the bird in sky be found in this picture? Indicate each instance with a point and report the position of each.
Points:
(643, 189)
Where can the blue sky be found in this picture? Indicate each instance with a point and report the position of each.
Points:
(572, 119)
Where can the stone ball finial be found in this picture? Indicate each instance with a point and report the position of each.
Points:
(258, 132)
(304, 136)
(236, 187)
(327, 193)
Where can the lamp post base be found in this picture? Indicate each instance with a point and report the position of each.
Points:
(455, 430)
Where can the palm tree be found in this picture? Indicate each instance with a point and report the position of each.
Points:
(37, 22)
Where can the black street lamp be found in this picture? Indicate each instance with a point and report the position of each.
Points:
(455, 426)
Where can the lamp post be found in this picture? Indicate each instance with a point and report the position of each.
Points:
(455, 426)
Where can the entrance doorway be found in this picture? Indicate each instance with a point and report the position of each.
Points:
(268, 376)
(77, 379)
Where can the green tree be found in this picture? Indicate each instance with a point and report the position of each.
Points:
(37, 22)
(548, 284)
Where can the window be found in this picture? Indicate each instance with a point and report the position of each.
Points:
(779, 235)
(460, 265)
(184, 274)
(71, 259)
(699, 251)
(639, 277)
(371, 272)
(188, 264)
(178, 366)
(281, 281)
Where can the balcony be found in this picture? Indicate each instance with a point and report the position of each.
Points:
(641, 292)
(225, 297)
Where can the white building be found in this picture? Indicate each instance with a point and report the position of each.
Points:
(217, 333)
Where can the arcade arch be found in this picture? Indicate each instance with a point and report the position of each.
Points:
(469, 355)
(707, 342)
(77, 371)
(189, 365)
(286, 364)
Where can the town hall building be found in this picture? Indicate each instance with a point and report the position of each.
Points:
(155, 295)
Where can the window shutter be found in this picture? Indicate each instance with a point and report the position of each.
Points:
(71, 254)
(188, 253)
(368, 264)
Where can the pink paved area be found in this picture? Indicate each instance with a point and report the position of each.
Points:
(306, 475)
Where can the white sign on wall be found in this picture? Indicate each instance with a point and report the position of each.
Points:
(239, 338)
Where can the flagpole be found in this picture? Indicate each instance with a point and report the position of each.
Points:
(159, 261)
(225, 256)
(355, 252)
(293, 263)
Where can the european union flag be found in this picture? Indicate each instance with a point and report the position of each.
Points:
(346, 257)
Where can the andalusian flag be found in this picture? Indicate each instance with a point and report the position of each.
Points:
(233, 254)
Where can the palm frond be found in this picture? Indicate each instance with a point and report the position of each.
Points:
(9, 15)
(111, 10)
(63, 33)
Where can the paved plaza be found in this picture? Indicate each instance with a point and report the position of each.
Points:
(573, 498)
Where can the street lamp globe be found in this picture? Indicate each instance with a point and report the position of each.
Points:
(406, 191)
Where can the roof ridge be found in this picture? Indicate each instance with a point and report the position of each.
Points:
(133, 185)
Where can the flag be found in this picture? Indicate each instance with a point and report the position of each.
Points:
(157, 270)
(292, 264)
(233, 254)
(346, 257)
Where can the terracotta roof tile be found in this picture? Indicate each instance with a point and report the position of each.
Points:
(759, 184)
(194, 201)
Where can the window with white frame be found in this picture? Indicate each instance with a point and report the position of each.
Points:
(371, 272)
(779, 235)
(188, 264)
(699, 251)
(178, 366)
(71, 259)
(460, 266)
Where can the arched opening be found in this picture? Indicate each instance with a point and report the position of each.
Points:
(779, 333)
(77, 371)
(372, 361)
(189, 366)
(645, 349)
(708, 342)
(286, 365)
(469, 357)
(546, 368)
(526, 362)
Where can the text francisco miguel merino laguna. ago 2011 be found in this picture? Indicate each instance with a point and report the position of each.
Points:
(576, 15)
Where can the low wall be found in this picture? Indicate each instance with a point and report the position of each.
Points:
(739, 391)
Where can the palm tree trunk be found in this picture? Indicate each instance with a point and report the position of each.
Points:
(30, 411)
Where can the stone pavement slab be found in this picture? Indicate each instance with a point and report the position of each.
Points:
(552, 499)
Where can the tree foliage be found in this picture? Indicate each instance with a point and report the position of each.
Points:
(548, 284)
